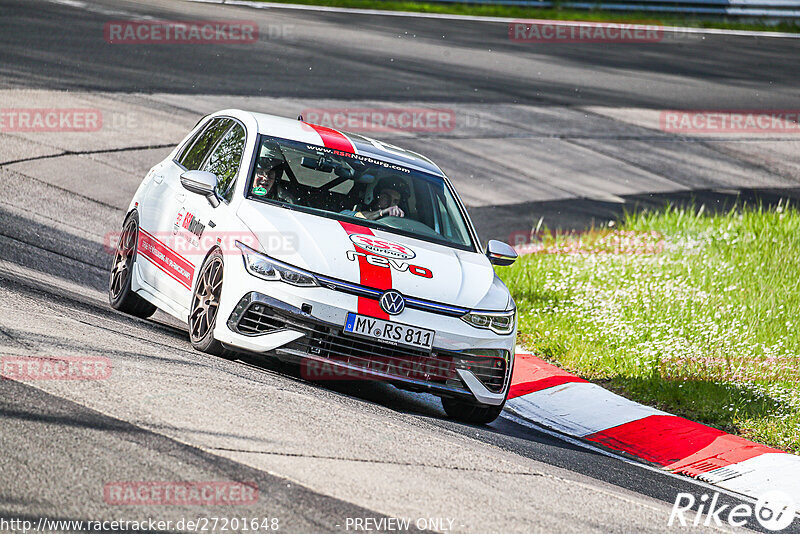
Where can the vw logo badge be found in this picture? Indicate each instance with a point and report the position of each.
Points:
(392, 302)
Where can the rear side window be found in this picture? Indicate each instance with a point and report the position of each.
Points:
(193, 158)
(225, 159)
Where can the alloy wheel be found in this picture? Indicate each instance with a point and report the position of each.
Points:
(206, 299)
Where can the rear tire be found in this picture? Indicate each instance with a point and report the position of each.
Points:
(470, 412)
(205, 305)
(120, 295)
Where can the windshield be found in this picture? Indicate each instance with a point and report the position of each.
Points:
(358, 189)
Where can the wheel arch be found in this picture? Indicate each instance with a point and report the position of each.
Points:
(209, 252)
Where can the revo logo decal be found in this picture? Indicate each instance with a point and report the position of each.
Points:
(391, 263)
(388, 249)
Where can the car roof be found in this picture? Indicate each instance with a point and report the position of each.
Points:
(297, 130)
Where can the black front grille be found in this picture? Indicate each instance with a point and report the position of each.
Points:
(329, 342)
(258, 319)
(395, 361)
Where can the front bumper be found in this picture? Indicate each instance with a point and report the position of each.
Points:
(264, 323)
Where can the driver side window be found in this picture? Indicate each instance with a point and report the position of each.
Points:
(225, 159)
(193, 157)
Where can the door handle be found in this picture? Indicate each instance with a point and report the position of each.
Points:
(180, 197)
(157, 178)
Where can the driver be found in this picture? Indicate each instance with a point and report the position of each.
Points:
(390, 195)
(266, 183)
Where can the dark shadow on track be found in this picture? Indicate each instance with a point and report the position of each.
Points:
(501, 222)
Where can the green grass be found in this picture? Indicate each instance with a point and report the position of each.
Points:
(696, 314)
(556, 14)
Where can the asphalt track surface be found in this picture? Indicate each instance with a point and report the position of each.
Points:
(563, 132)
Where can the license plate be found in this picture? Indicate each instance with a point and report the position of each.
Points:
(388, 332)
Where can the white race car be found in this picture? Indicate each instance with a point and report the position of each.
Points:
(353, 257)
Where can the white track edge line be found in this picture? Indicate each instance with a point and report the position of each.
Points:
(476, 18)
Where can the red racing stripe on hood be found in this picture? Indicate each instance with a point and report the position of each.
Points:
(333, 139)
(371, 275)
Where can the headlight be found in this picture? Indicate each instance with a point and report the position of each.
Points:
(267, 268)
(499, 323)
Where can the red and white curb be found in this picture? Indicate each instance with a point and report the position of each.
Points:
(549, 396)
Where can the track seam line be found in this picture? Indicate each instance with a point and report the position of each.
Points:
(378, 461)
(705, 142)
(65, 190)
(45, 220)
(86, 153)
(59, 254)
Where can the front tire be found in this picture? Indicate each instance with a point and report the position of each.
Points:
(205, 305)
(470, 412)
(120, 295)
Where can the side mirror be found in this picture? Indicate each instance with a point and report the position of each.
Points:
(500, 253)
(202, 183)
